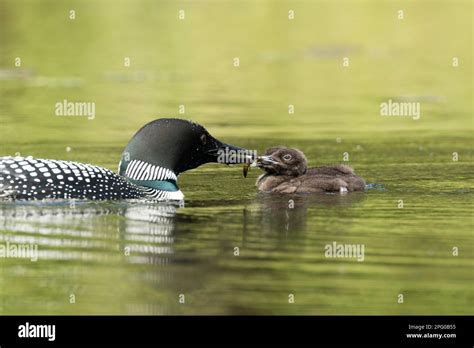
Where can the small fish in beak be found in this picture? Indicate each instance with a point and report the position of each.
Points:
(246, 169)
(252, 163)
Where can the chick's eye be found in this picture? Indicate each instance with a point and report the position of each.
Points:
(203, 139)
(287, 157)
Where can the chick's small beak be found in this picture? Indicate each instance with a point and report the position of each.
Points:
(265, 160)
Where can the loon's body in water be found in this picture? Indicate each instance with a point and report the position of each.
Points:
(286, 171)
(149, 167)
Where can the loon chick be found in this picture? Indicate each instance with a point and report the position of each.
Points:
(149, 167)
(287, 172)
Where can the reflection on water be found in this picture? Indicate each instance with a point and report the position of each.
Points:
(143, 231)
(72, 237)
(73, 231)
(288, 213)
(138, 258)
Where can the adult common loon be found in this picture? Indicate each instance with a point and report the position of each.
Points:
(149, 167)
(286, 171)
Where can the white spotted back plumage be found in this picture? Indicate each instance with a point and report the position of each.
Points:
(30, 178)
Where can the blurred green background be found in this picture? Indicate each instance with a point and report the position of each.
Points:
(283, 62)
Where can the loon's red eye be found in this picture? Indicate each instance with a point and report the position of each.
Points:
(203, 139)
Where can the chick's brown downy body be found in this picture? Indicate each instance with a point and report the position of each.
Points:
(286, 171)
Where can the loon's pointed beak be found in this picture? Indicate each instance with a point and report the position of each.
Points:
(230, 154)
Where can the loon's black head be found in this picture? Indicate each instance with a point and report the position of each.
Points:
(177, 145)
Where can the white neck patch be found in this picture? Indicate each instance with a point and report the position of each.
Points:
(140, 170)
